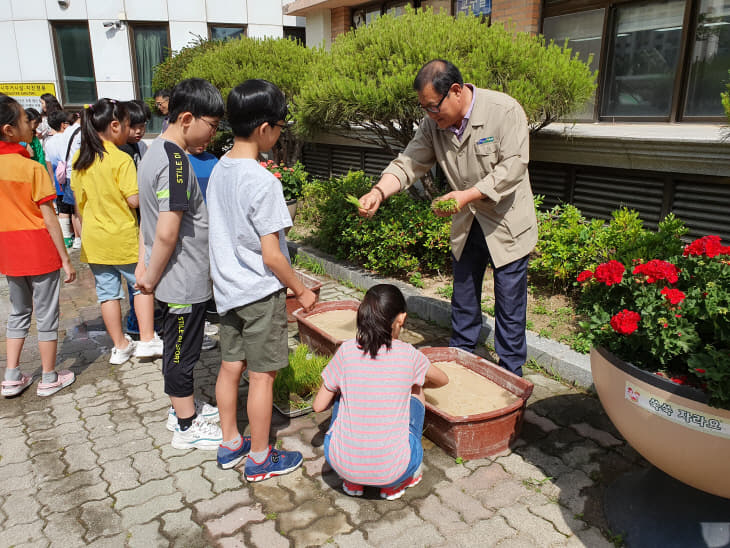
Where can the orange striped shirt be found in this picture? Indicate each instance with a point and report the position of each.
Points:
(26, 248)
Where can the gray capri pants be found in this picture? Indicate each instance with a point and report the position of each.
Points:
(40, 291)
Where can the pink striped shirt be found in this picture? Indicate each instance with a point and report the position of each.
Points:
(369, 440)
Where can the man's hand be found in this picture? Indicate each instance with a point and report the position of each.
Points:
(307, 299)
(145, 286)
(370, 203)
(69, 270)
(454, 195)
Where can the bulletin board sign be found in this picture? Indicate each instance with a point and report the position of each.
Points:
(477, 7)
(28, 95)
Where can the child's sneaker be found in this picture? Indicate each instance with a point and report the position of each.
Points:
(392, 493)
(121, 355)
(228, 458)
(208, 343)
(64, 379)
(149, 349)
(76, 244)
(202, 409)
(277, 463)
(13, 388)
(352, 489)
(200, 435)
(210, 329)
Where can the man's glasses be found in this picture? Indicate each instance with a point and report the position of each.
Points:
(435, 109)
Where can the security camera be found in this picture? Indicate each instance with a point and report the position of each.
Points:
(115, 24)
(63, 4)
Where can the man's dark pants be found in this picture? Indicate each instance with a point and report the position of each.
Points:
(510, 307)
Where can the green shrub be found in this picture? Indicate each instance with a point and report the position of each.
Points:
(726, 99)
(568, 243)
(170, 71)
(403, 238)
(302, 376)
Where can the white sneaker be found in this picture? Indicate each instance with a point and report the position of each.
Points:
(208, 343)
(210, 329)
(77, 243)
(149, 349)
(202, 409)
(201, 435)
(121, 355)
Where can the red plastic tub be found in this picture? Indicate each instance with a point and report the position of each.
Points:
(292, 304)
(311, 335)
(481, 435)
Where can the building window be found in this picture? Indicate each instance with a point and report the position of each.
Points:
(477, 7)
(151, 46)
(75, 66)
(582, 33)
(226, 32)
(710, 59)
(656, 59)
(643, 59)
(298, 34)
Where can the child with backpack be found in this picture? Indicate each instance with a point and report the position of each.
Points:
(31, 253)
(104, 181)
(376, 383)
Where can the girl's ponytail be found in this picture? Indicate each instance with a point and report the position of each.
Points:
(9, 112)
(378, 310)
(95, 120)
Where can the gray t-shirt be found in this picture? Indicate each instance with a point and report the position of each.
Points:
(245, 202)
(168, 183)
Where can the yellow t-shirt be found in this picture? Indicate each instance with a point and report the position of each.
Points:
(109, 231)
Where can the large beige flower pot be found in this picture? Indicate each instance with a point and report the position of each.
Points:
(666, 423)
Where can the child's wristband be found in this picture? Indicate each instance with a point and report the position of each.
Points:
(382, 195)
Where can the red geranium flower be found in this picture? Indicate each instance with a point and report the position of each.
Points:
(625, 322)
(585, 276)
(656, 270)
(707, 245)
(610, 273)
(674, 296)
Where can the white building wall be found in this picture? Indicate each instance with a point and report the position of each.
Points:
(319, 29)
(26, 34)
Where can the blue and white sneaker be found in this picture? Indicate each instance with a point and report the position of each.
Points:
(228, 458)
(202, 409)
(201, 435)
(277, 463)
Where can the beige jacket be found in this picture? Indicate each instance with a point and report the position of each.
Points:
(492, 156)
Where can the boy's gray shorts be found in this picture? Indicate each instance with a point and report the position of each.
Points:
(41, 291)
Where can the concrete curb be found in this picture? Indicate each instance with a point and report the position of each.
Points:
(557, 359)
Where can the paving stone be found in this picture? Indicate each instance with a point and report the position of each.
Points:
(313, 467)
(145, 492)
(580, 454)
(181, 527)
(265, 535)
(304, 514)
(601, 437)
(45, 446)
(236, 541)
(222, 480)
(189, 459)
(13, 450)
(401, 527)
(467, 506)
(483, 533)
(193, 485)
(570, 490)
(120, 475)
(483, 478)
(65, 413)
(129, 449)
(561, 518)
(79, 457)
(544, 423)
(503, 493)
(144, 512)
(519, 541)
(49, 466)
(100, 519)
(21, 534)
(517, 467)
(19, 507)
(149, 465)
(146, 536)
(63, 531)
(542, 531)
(447, 521)
(110, 542)
(590, 538)
(66, 500)
(321, 531)
(273, 498)
(233, 521)
(222, 504)
(38, 420)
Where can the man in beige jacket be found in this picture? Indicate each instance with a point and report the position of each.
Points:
(480, 139)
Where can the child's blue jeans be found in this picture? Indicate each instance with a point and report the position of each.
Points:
(415, 431)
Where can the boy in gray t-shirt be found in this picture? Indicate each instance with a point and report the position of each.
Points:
(251, 271)
(174, 244)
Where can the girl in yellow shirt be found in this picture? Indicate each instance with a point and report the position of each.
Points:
(104, 181)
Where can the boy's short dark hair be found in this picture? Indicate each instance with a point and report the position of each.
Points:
(197, 96)
(252, 103)
(32, 114)
(164, 93)
(57, 118)
(139, 112)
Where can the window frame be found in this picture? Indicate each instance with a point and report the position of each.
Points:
(243, 26)
(59, 69)
(131, 26)
(681, 78)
